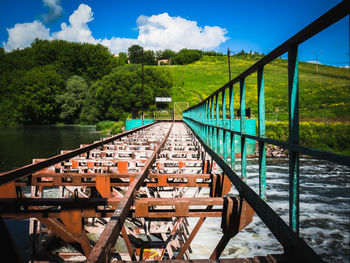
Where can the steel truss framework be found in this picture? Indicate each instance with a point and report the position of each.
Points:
(139, 185)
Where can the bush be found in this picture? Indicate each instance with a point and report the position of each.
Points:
(110, 127)
(186, 56)
(333, 137)
(117, 127)
(104, 125)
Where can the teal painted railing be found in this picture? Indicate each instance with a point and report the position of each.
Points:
(132, 124)
(211, 128)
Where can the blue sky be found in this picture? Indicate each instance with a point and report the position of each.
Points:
(257, 25)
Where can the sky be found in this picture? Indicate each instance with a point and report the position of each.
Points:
(252, 25)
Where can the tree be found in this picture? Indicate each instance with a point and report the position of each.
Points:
(149, 57)
(135, 54)
(186, 56)
(166, 54)
(117, 93)
(39, 88)
(72, 100)
(121, 59)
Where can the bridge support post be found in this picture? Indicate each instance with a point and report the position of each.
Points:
(261, 124)
(243, 139)
(232, 121)
(293, 105)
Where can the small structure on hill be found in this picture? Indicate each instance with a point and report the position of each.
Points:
(164, 61)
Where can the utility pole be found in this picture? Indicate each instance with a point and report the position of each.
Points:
(142, 90)
(316, 53)
(229, 65)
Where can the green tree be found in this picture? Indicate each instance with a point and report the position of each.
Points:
(187, 56)
(39, 88)
(121, 59)
(72, 100)
(135, 54)
(112, 97)
(166, 54)
(149, 58)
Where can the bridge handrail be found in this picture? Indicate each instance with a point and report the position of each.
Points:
(204, 120)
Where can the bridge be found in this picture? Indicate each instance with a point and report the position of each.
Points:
(129, 197)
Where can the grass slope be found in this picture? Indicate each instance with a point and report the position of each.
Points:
(324, 95)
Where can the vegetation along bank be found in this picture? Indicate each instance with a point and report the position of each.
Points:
(64, 82)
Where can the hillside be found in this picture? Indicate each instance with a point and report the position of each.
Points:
(324, 95)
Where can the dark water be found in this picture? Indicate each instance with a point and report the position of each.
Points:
(19, 145)
(324, 196)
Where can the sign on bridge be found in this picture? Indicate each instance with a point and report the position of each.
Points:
(163, 99)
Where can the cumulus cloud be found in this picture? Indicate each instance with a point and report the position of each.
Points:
(78, 29)
(21, 35)
(163, 31)
(55, 10)
(157, 32)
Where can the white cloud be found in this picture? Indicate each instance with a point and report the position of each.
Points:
(157, 32)
(163, 31)
(21, 35)
(55, 10)
(78, 29)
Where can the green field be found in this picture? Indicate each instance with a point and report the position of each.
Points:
(324, 95)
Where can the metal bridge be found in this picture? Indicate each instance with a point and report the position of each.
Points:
(128, 197)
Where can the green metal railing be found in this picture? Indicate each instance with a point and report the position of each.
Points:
(215, 132)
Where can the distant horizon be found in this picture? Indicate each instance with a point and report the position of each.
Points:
(157, 25)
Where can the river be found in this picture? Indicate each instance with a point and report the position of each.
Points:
(324, 196)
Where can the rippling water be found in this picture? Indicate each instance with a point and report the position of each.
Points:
(324, 212)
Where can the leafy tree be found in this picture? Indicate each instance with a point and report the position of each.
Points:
(87, 60)
(121, 59)
(135, 54)
(39, 88)
(187, 56)
(149, 58)
(72, 100)
(117, 93)
(166, 54)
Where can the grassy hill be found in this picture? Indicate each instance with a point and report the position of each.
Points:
(324, 95)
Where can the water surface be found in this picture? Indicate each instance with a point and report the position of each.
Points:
(20, 145)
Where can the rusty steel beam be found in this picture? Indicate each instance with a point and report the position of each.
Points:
(108, 213)
(237, 215)
(10, 203)
(29, 169)
(89, 207)
(192, 236)
(87, 179)
(103, 248)
(128, 244)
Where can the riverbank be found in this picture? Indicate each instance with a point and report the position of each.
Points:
(332, 137)
(110, 127)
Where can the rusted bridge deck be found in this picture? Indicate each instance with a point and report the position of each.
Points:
(135, 186)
